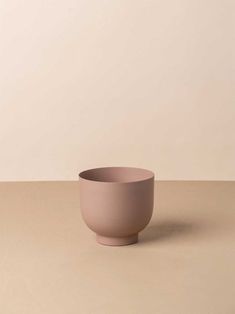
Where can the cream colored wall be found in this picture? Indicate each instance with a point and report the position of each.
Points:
(141, 83)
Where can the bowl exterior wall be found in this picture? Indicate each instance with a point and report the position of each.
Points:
(116, 209)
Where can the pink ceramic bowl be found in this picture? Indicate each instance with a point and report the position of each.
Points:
(116, 202)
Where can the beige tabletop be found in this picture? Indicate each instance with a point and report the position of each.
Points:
(183, 264)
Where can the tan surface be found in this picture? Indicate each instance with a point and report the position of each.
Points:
(184, 263)
(138, 83)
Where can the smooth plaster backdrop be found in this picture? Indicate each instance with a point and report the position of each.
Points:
(93, 83)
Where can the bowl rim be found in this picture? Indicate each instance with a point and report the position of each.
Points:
(148, 175)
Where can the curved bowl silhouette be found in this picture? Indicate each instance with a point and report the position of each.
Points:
(116, 202)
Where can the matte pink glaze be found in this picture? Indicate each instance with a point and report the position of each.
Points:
(116, 202)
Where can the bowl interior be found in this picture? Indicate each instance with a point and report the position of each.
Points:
(116, 174)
